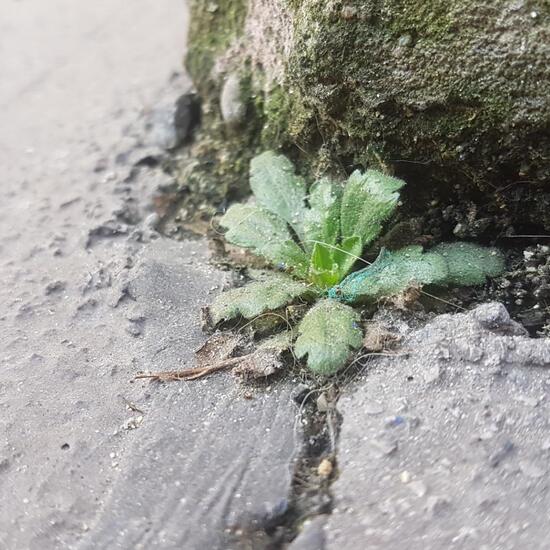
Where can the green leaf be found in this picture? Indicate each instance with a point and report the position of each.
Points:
(323, 271)
(288, 256)
(391, 273)
(461, 264)
(251, 226)
(469, 264)
(346, 254)
(322, 219)
(327, 335)
(330, 263)
(255, 298)
(369, 199)
(278, 189)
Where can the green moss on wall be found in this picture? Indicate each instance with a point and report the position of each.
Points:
(446, 93)
(214, 26)
(420, 82)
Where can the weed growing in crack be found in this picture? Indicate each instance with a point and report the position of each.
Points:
(313, 241)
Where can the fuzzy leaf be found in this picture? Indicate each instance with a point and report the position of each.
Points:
(346, 254)
(323, 270)
(462, 264)
(369, 199)
(391, 273)
(330, 264)
(469, 264)
(251, 226)
(322, 220)
(327, 335)
(257, 297)
(278, 189)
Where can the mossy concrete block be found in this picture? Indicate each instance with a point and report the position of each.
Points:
(444, 92)
(460, 85)
(232, 106)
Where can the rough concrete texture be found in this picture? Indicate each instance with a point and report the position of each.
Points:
(447, 444)
(91, 295)
(209, 464)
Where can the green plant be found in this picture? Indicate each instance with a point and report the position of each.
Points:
(314, 240)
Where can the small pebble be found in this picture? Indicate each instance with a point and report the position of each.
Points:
(325, 468)
(373, 407)
(231, 103)
(348, 12)
(437, 505)
(431, 373)
(405, 476)
(322, 403)
(152, 221)
(384, 447)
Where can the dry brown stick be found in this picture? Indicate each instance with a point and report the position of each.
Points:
(193, 373)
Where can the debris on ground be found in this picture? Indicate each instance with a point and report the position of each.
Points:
(377, 338)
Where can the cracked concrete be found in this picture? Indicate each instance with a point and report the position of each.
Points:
(444, 447)
(448, 446)
(91, 295)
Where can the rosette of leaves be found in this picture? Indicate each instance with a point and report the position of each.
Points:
(312, 239)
